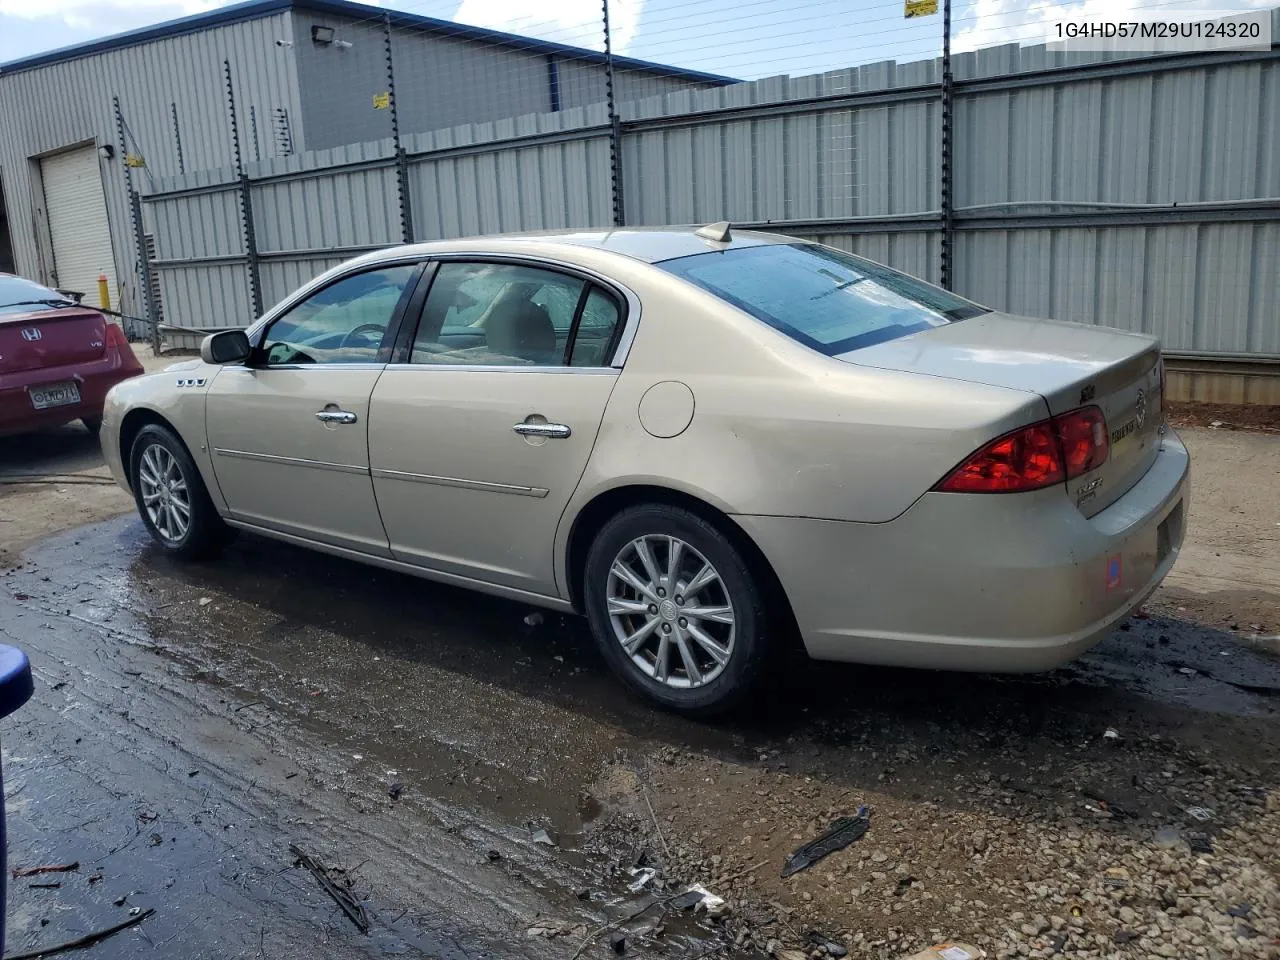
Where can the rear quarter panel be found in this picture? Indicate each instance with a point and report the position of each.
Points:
(778, 429)
(177, 396)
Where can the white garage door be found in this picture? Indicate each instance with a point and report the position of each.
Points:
(78, 223)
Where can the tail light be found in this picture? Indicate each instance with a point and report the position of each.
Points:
(115, 336)
(1031, 458)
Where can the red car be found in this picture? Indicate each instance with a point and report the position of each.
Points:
(57, 359)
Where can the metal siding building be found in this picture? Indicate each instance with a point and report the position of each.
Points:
(291, 94)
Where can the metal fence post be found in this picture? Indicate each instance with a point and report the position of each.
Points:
(402, 161)
(945, 188)
(139, 241)
(177, 136)
(246, 201)
(615, 127)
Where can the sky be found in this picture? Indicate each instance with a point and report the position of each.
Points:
(740, 38)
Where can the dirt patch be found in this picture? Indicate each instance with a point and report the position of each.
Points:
(1226, 416)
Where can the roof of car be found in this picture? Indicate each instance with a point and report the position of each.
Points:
(647, 244)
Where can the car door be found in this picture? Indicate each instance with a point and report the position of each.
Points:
(288, 430)
(478, 441)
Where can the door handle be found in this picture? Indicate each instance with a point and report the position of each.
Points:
(335, 416)
(557, 430)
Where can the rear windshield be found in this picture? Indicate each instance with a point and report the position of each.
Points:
(16, 290)
(827, 299)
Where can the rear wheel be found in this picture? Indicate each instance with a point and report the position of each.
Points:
(677, 610)
(171, 496)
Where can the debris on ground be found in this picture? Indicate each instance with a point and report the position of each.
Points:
(841, 833)
(1111, 733)
(642, 877)
(45, 886)
(714, 906)
(534, 620)
(1240, 911)
(684, 901)
(949, 951)
(618, 943)
(88, 940)
(543, 837)
(1203, 814)
(821, 941)
(551, 929)
(1166, 838)
(1116, 877)
(340, 895)
(17, 872)
(395, 790)
(205, 601)
(1199, 843)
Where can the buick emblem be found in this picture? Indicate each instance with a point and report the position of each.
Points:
(1140, 408)
(32, 334)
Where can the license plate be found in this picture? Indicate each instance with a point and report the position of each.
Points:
(55, 395)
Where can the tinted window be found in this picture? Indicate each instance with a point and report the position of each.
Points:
(504, 314)
(16, 290)
(596, 328)
(343, 323)
(827, 299)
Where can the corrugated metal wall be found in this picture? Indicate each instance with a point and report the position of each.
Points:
(1067, 173)
(65, 104)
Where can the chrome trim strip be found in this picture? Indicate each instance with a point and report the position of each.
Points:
(291, 461)
(505, 368)
(305, 366)
(484, 485)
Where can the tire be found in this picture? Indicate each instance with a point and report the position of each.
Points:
(92, 424)
(746, 644)
(157, 452)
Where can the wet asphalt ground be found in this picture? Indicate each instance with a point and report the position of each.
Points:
(192, 721)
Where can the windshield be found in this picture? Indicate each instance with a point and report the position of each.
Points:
(16, 290)
(827, 299)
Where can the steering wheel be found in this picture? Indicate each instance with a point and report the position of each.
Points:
(362, 332)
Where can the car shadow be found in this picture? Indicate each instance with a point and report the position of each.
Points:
(61, 450)
(1163, 686)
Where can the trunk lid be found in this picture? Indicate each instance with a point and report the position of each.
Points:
(51, 338)
(1070, 365)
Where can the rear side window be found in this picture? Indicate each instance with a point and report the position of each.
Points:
(827, 299)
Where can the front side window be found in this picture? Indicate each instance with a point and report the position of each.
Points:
(343, 323)
(505, 314)
(827, 299)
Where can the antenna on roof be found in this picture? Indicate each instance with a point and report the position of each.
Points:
(719, 232)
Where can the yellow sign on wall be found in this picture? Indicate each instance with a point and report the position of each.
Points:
(381, 101)
(920, 8)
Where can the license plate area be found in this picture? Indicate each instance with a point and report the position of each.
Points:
(55, 395)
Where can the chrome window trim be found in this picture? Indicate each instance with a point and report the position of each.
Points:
(330, 276)
(507, 368)
(307, 366)
(628, 297)
(291, 461)
(487, 486)
(629, 328)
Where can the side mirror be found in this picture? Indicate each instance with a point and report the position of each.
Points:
(225, 346)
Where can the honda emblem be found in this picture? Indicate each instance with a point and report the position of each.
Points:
(31, 334)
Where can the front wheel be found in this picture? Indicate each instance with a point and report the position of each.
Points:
(171, 496)
(677, 610)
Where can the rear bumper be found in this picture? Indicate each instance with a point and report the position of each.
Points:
(1007, 584)
(94, 379)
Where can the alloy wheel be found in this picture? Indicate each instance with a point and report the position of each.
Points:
(670, 611)
(165, 494)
